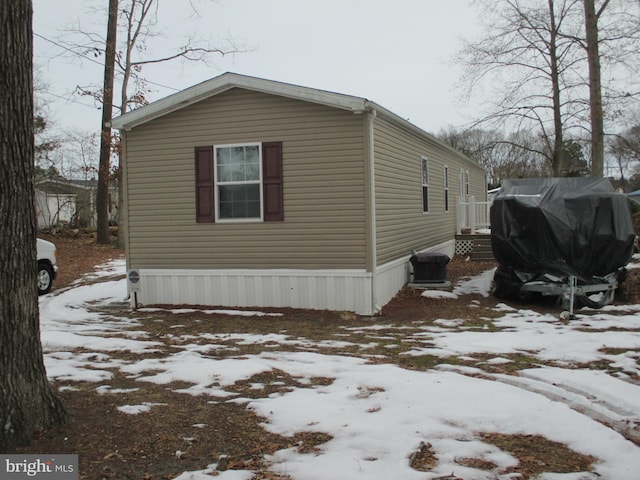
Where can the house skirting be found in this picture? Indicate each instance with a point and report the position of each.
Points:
(347, 290)
(338, 290)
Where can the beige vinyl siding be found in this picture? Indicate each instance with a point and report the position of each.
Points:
(401, 224)
(323, 170)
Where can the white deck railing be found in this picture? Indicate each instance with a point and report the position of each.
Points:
(472, 215)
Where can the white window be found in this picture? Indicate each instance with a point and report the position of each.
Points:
(446, 188)
(238, 182)
(466, 182)
(425, 184)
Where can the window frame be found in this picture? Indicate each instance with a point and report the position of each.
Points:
(424, 180)
(446, 188)
(466, 183)
(218, 183)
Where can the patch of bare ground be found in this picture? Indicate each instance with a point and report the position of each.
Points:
(535, 455)
(538, 455)
(409, 304)
(424, 459)
(179, 432)
(477, 463)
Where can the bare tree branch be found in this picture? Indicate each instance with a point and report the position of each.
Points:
(529, 66)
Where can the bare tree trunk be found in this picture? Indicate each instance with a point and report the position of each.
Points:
(134, 28)
(559, 168)
(102, 196)
(595, 88)
(27, 403)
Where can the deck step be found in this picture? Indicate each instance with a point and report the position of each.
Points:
(480, 246)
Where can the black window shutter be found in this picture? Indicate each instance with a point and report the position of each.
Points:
(205, 186)
(272, 181)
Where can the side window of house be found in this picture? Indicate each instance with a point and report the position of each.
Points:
(466, 182)
(446, 188)
(425, 184)
(241, 182)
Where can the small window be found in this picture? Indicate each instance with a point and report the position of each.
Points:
(466, 182)
(238, 182)
(446, 188)
(425, 185)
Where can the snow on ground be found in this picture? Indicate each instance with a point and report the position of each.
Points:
(378, 414)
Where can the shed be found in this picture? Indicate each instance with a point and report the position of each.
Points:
(71, 202)
(64, 202)
(247, 192)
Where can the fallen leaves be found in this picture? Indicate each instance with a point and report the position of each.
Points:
(537, 455)
(424, 459)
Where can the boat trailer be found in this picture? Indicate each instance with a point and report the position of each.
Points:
(569, 290)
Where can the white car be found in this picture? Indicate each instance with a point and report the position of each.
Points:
(47, 266)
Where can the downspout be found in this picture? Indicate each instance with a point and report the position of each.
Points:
(373, 251)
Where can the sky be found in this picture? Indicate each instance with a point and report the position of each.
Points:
(396, 53)
(377, 413)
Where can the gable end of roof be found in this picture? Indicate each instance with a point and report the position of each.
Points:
(227, 81)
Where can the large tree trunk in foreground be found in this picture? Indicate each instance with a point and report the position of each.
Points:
(27, 403)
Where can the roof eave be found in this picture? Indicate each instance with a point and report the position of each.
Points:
(226, 82)
(407, 125)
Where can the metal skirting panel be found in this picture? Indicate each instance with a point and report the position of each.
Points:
(390, 278)
(337, 290)
(348, 290)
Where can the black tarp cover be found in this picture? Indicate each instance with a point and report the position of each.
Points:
(577, 226)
